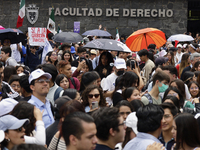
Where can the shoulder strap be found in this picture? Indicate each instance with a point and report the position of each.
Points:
(73, 82)
(57, 142)
(57, 93)
(148, 96)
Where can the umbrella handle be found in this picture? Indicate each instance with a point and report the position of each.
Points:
(145, 39)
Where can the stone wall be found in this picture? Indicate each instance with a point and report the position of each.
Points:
(126, 25)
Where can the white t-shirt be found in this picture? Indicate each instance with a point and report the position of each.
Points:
(108, 84)
(179, 56)
(15, 52)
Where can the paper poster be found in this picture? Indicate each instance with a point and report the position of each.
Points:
(36, 36)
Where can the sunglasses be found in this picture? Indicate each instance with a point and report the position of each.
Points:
(32, 47)
(19, 129)
(95, 95)
(43, 80)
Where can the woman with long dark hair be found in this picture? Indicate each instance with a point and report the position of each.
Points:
(93, 94)
(105, 64)
(185, 132)
(129, 79)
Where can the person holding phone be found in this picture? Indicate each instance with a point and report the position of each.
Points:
(93, 98)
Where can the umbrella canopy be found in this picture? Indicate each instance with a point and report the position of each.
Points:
(142, 38)
(1, 27)
(180, 38)
(68, 37)
(97, 32)
(15, 35)
(107, 44)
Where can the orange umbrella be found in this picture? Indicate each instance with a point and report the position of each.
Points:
(142, 38)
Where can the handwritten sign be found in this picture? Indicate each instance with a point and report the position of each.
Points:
(36, 36)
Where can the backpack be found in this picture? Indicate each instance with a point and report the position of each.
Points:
(148, 96)
(57, 93)
(73, 82)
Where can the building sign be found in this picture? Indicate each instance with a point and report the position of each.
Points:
(37, 36)
(112, 12)
(32, 13)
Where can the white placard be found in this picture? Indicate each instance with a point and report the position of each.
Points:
(36, 36)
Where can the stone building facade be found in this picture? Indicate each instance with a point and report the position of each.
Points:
(128, 16)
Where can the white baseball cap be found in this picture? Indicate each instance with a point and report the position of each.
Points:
(37, 74)
(11, 122)
(7, 105)
(179, 45)
(120, 63)
(131, 122)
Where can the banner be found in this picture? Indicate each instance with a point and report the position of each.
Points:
(77, 27)
(36, 36)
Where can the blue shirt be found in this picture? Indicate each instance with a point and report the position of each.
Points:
(141, 141)
(47, 115)
(167, 145)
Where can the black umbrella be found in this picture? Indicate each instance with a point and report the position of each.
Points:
(107, 44)
(97, 32)
(15, 35)
(68, 37)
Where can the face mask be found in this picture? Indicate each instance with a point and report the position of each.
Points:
(120, 72)
(163, 88)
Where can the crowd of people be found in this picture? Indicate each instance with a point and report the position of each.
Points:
(93, 99)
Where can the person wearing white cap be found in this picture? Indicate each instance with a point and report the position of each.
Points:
(7, 105)
(108, 83)
(179, 52)
(39, 84)
(131, 124)
(193, 47)
(14, 131)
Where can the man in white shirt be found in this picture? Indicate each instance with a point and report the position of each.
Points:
(179, 52)
(16, 49)
(108, 83)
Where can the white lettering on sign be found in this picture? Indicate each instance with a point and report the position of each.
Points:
(113, 12)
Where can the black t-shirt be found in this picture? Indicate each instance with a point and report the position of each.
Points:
(102, 147)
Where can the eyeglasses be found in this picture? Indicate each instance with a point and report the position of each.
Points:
(33, 47)
(174, 94)
(14, 85)
(166, 116)
(95, 95)
(54, 55)
(195, 88)
(42, 81)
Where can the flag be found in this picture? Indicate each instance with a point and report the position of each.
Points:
(21, 14)
(117, 35)
(47, 48)
(51, 23)
(59, 30)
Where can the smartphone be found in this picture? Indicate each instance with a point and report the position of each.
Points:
(82, 58)
(132, 64)
(134, 56)
(95, 105)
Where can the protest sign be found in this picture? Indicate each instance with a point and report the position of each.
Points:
(36, 36)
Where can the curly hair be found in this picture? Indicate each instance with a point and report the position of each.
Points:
(24, 110)
(85, 93)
